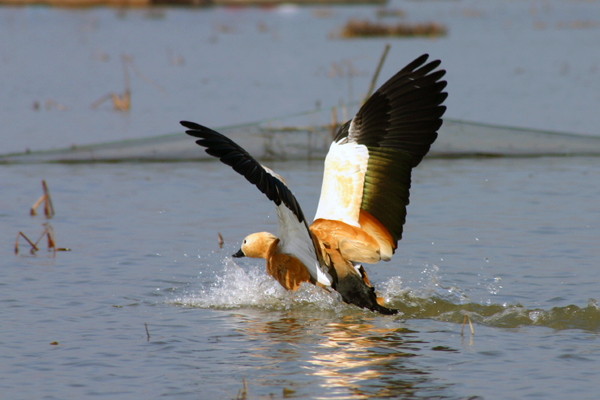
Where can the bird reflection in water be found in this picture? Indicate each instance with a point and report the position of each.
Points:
(352, 357)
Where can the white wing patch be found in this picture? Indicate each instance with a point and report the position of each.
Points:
(294, 238)
(343, 183)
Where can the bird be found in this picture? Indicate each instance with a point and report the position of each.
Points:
(365, 189)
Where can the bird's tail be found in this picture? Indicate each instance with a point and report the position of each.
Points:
(355, 291)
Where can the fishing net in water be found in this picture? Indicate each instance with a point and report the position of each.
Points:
(308, 136)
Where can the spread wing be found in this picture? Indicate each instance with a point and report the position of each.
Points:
(368, 168)
(293, 232)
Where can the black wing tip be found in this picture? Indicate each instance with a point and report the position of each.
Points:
(417, 62)
(420, 62)
(196, 130)
(404, 98)
(434, 64)
(190, 125)
(230, 153)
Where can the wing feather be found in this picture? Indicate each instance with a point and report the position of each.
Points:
(343, 182)
(408, 106)
(230, 153)
(395, 127)
(294, 235)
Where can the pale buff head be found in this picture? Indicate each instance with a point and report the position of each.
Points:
(256, 245)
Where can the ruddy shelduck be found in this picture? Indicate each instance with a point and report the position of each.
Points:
(366, 182)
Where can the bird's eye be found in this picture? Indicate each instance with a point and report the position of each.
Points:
(244, 241)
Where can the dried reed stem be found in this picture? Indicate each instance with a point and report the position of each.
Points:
(242, 393)
(333, 122)
(48, 207)
(33, 245)
(37, 204)
(376, 75)
(470, 325)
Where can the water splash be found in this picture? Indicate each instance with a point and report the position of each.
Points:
(237, 287)
(449, 303)
(430, 287)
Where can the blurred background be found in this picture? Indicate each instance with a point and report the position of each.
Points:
(83, 75)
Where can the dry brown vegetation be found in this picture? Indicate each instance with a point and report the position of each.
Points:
(362, 28)
(48, 230)
(122, 101)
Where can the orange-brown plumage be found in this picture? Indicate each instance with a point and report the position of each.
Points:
(288, 270)
(353, 243)
(376, 229)
(285, 268)
(364, 194)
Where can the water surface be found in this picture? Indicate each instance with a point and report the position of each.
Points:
(511, 242)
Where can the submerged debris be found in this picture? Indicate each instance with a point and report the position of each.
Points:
(33, 245)
(48, 230)
(362, 28)
(242, 393)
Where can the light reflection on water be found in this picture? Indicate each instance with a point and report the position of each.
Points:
(353, 357)
(145, 250)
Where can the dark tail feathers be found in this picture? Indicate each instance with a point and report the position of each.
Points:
(355, 291)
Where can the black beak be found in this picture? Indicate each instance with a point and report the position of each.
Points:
(239, 254)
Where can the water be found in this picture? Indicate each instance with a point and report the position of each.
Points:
(146, 304)
(527, 64)
(511, 242)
